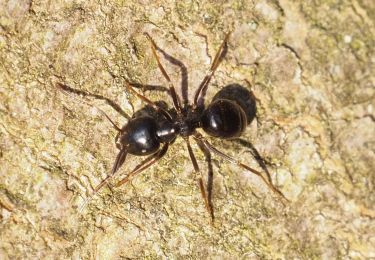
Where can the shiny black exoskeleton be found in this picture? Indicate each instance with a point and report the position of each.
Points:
(152, 129)
(223, 118)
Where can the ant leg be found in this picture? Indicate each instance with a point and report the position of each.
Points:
(175, 97)
(210, 147)
(145, 99)
(120, 159)
(210, 178)
(261, 162)
(66, 89)
(216, 62)
(144, 164)
(200, 181)
(184, 75)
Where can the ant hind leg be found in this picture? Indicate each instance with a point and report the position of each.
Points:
(211, 148)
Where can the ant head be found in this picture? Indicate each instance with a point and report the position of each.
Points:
(140, 137)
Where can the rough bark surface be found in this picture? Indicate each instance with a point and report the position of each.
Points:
(310, 65)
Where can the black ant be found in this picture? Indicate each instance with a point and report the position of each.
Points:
(152, 133)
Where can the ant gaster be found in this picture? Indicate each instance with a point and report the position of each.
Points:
(145, 135)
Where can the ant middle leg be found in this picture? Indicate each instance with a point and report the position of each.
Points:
(200, 181)
(210, 177)
(200, 92)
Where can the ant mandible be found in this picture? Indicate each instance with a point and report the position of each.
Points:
(145, 135)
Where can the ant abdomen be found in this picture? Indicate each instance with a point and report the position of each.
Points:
(224, 118)
(242, 97)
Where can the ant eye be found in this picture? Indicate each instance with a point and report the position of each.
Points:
(224, 118)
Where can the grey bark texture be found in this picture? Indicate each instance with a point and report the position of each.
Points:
(310, 65)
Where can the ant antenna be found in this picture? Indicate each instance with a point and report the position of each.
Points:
(66, 90)
(119, 161)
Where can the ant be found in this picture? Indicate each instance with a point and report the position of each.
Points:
(151, 133)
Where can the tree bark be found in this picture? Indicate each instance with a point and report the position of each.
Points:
(310, 65)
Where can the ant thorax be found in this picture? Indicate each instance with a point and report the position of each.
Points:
(188, 121)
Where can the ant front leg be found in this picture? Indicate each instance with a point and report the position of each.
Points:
(145, 164)
(175, 97)
(148, 101)
(184, 75)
